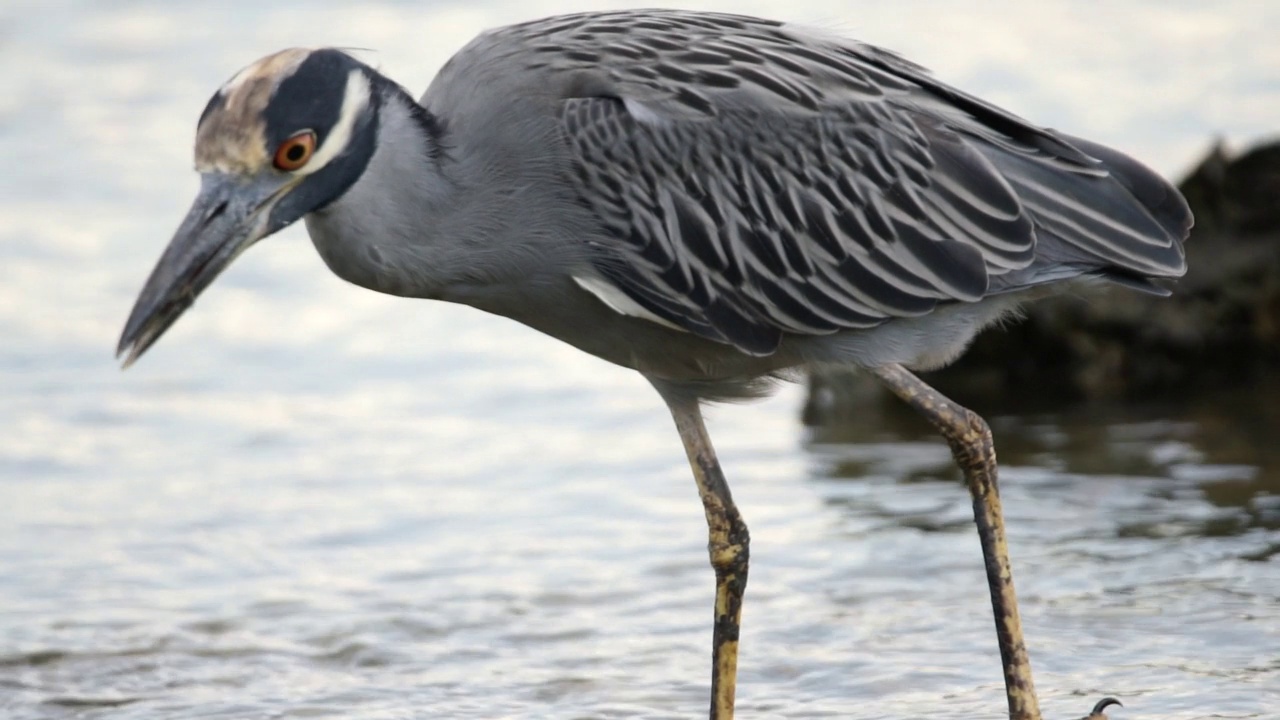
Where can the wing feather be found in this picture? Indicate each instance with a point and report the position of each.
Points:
(755, 180)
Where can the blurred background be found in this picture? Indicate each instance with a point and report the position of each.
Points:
(314, 501)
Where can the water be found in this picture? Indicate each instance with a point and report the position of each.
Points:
(313, 501)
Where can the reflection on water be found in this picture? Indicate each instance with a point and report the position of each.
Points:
(1144, 537)
(313, 501)
(1218, 446)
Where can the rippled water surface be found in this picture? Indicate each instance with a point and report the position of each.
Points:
(314, 501)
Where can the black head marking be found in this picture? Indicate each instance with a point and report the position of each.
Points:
(214, 103)
(310, 98)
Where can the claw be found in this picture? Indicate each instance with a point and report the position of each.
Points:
(1097, 712)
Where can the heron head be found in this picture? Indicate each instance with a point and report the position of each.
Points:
(285, 137)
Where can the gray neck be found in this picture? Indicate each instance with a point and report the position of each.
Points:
(440, 222)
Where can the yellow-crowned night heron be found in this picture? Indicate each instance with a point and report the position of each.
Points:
(711, 200)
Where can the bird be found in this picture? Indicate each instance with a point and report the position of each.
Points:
(718, 202)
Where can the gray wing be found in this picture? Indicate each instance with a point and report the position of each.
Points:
(754, 180)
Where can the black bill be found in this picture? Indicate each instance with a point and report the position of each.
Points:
(228, 216)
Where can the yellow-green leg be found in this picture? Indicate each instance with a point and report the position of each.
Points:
(972, 448)
(728, 544)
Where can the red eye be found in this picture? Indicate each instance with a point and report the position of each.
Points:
(296, 151)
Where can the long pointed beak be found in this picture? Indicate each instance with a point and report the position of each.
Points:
(228, 216)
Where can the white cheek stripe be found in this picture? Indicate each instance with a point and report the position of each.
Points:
(354, 100)
(619, 302)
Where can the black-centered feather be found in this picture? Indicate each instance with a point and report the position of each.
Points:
(831, 185)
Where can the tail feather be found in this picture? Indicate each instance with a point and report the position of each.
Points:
(1127, 225)
(1163, 201)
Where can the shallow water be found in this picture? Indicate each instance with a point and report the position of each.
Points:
(313, 501)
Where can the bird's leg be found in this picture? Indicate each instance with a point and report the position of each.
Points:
(728, 545)
(972, 448)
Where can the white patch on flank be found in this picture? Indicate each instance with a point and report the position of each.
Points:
(354, 100)
(619, 302)
(643, 113)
